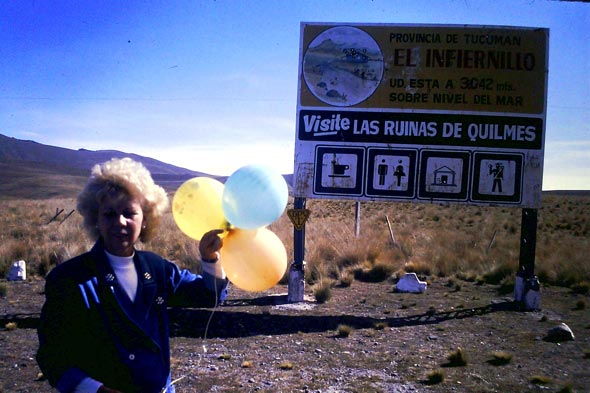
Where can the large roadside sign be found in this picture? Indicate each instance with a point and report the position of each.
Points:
(425, 113)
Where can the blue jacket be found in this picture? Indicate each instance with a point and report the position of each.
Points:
(90, 328)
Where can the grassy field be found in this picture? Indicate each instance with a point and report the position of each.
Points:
(359, 335)
(470, 242)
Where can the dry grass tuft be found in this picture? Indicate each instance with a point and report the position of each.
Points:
(344, 331)
(540, 380)
(322, 291)
(500, 358)
(435, 377)
(11, 326)
(247, 364)
(457, 358)
(286, 366)
(418, 267)
(380, 325)
(346, 278)
(374, 272)
(499, 273)
(469, 276)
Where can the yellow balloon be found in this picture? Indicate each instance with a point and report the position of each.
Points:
(196, 207)
(254, 260)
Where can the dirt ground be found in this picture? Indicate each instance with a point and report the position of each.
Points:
(260, 342)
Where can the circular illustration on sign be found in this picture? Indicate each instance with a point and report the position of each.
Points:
(343, 66)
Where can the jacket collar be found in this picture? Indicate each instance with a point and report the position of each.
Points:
(146, 277)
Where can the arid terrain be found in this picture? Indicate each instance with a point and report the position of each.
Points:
(365, 338)
(362, 336)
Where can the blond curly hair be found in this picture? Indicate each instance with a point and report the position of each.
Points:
(127, 178)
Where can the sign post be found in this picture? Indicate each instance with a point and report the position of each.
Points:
(526, 287)
(298, 216)
(422, 113)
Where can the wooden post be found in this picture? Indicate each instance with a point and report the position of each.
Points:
(390, 232)
(357, 219)
(526, 287)
(528, 241)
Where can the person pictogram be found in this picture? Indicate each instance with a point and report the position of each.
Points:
(382, 172)
(399, 173)
(498, 172)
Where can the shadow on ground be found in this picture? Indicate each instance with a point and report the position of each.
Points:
(223, 322)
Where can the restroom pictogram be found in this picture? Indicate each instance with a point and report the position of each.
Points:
(391, 172)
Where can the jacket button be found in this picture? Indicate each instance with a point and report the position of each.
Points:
(131, 356)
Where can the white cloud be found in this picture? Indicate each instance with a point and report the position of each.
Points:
(225, 159)
(567, 165)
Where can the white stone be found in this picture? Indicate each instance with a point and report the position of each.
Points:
(559, 333)
(18, 271)
(409, 282)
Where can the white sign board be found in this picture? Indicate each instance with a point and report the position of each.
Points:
(421, 113)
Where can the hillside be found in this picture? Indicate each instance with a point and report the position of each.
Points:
(31, 170)
(36, 171)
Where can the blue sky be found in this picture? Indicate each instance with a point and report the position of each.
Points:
(212, 85)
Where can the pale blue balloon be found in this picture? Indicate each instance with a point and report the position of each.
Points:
(254, 196)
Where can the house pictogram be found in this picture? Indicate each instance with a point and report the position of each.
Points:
(444, 176)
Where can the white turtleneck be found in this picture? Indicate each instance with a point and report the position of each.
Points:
(124, 269)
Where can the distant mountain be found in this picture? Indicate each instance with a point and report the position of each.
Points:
(328, 46)
(33, 170)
